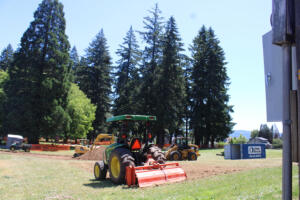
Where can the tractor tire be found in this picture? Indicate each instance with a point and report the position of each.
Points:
(192, 156)
(119, 159)
(75, 155)
(100, 170)
(157, 154)
(12, 148)
(175, 155)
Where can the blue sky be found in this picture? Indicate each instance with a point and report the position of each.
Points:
(239, 25)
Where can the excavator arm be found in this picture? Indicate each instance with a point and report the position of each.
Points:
(100, 137)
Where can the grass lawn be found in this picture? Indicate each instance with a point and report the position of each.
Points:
(24, 177)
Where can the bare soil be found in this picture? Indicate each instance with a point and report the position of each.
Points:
(21, 153)
(96, 154)
(199, 170)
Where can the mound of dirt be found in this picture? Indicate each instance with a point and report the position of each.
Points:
(95, 154)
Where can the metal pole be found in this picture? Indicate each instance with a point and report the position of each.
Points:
(286, 124)
(297, 40)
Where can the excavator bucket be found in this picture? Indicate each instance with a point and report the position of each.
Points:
(151, 175)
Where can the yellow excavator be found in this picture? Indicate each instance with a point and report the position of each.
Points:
(84, 146)
(181, 150)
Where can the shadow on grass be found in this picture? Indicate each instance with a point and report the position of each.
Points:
(100, 184)
(106, 183)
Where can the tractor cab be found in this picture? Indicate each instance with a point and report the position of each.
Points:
(182, 143)
(84, 142)
(138, 141)
(182, 150)
(126, 123)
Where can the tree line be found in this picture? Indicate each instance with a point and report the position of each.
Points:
(48, 90)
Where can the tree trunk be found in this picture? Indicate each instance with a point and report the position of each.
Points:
(197, 137)
(170, 138)
(206, 142)
(212, 141)
(161, 137)
(66, 139)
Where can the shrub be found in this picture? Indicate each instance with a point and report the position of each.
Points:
(221, 144)
(277, 143)
(239, 140)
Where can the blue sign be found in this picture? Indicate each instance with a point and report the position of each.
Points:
(253, 151)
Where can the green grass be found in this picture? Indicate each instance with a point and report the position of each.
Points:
(38, 178)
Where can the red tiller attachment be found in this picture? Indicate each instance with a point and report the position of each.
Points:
(155, 174)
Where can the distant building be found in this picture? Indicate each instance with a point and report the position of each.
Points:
(260, 140)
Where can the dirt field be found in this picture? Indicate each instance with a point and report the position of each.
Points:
(194, 170)
(96, 154)
(46, 156)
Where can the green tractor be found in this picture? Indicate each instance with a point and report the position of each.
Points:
(136, 160)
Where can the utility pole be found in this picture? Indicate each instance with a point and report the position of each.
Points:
(283, 29)
(286, 154)
(297, 42)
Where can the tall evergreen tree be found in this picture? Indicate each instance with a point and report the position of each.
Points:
(187, 67)
(152, 56)
(95, 79)
(6, 57)
(265, 132)
(3, 79)
(39, 79)
(127, 83)
(74, 58)
(170, 84)
(211, 118)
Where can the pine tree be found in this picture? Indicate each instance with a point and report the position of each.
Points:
(39, 79)
(95, 79)
(151, 59)
(6, 58)
(3, 79)
(74, 58)
(211, 118)
(187, 67)
(265, 132)
(127, 83)
(152, 56)
(170, 84)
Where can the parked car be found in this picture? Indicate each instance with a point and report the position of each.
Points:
(15, 142)
(20, 146)
(260, 140)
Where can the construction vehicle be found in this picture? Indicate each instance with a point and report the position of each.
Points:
(181, 150)
(134, 159)
(84, 147)
(103, 139)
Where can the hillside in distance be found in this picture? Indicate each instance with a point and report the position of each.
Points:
(237, 133)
